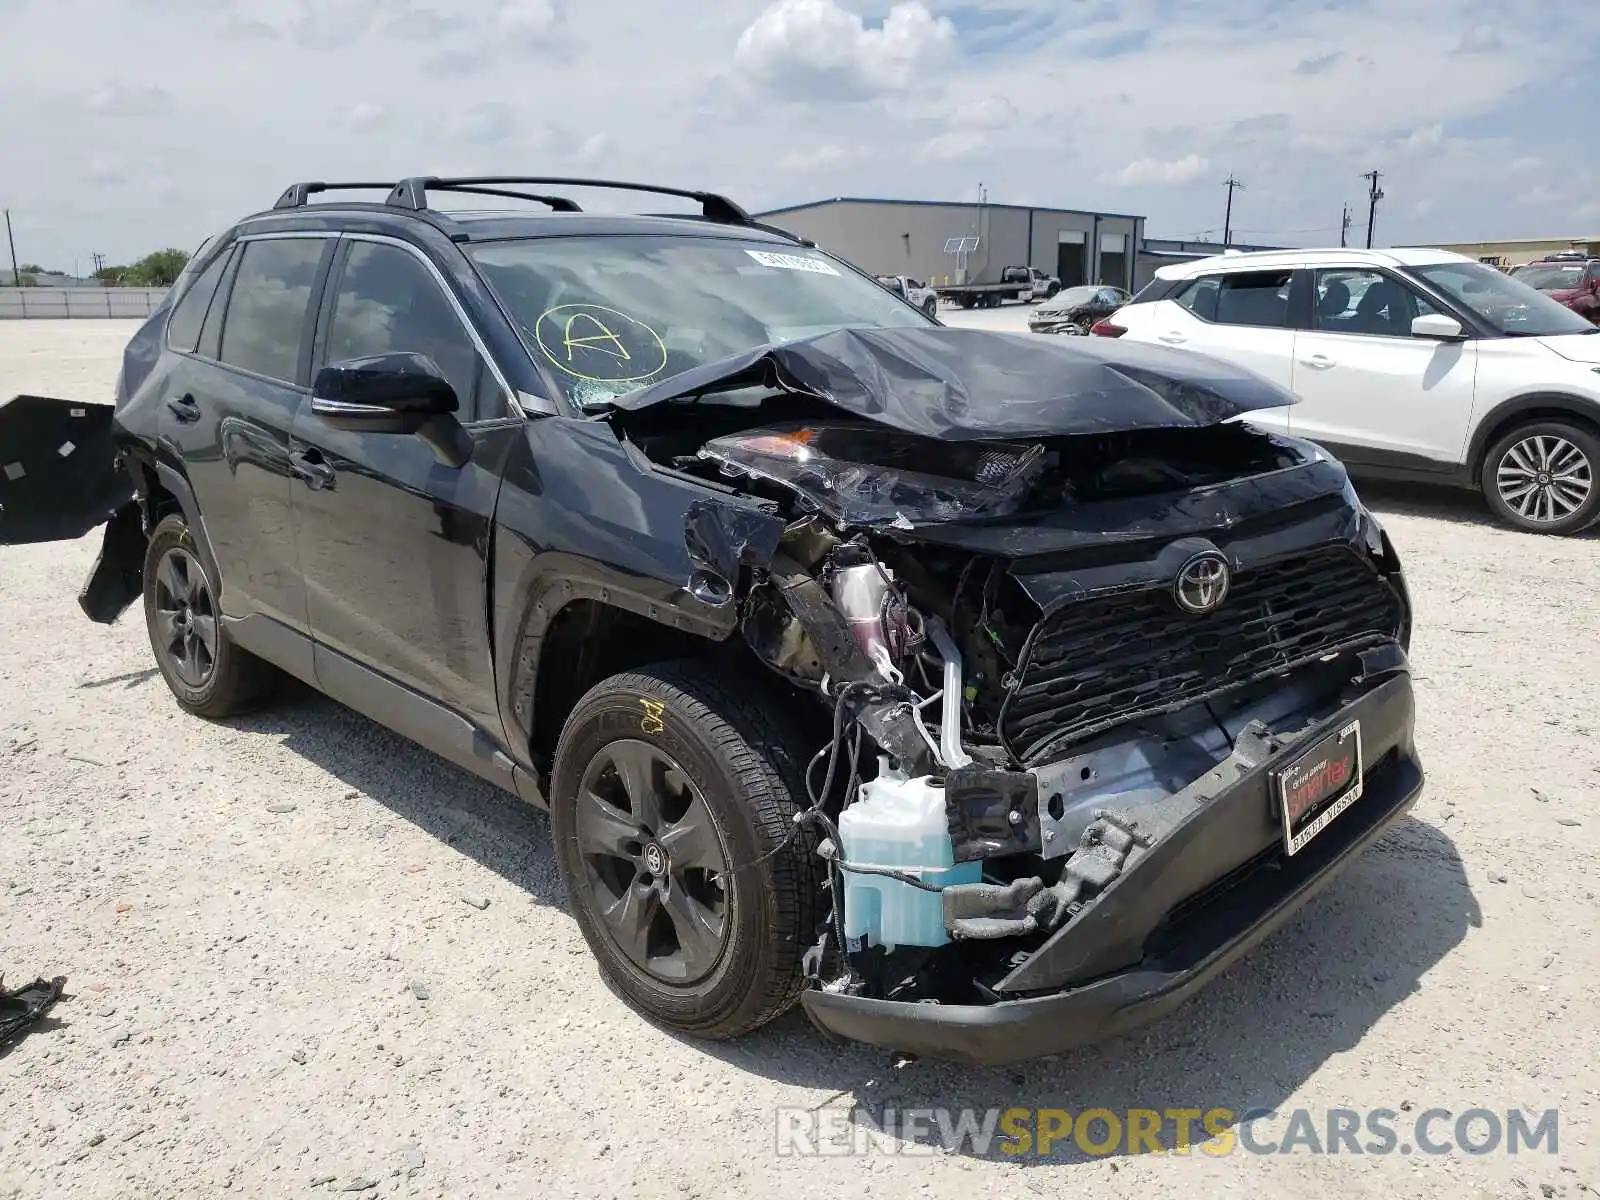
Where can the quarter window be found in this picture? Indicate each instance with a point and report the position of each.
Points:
(1367, 302)
(183, 329)
(388, 302)
(270, 306)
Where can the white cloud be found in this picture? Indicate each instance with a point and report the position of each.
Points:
(1481, 39)
(127, 99)
(950, 146)
(365, 115)
(1112, 106)
(818, 50)
(595, 147)
(1146, 171)
(825, 157)
(527, 19)
(986, 112)
(106, 168)
(1421, 141)
(491, 121)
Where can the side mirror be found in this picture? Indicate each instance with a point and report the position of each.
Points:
(394, 393)
(387, 393)
(1438, 327)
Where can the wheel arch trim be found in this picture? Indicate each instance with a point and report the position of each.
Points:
(177, 485)
(554, 593)
(1533, 406)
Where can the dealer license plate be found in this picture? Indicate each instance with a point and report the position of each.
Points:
(1319, 785)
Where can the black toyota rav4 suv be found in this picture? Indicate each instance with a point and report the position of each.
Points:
(985, 693)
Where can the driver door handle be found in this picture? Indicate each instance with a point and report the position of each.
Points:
(310, 466)
(184, 408)
(1320, 361)
(1172, 339)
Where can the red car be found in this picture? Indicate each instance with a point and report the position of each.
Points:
(1572, 279)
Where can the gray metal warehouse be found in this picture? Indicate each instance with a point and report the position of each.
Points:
(920, 238)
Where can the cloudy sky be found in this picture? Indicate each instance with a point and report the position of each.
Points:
(126, 125)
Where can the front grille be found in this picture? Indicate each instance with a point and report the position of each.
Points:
(1110, 659)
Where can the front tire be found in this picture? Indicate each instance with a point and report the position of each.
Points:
(672, 803)
(207, 674)
(1541, 477)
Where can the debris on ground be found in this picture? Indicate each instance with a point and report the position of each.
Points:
(475, 899)
(411, 1159)
(25, 1005)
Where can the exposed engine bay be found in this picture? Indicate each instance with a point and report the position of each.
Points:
(1024, 704)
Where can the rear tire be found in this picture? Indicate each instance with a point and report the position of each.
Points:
(698, 895)
(1542, 477)
(207, 674)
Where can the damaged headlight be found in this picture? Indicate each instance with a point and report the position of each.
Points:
(864, 475)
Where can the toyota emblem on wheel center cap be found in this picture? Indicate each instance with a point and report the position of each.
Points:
(1202, 583)
(655, 859)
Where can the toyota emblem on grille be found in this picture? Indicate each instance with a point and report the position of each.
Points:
(1202, 583)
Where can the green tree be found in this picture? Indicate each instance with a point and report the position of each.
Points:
(112, 276)
(160, 269)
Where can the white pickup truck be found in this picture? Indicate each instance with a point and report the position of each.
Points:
(923, 297)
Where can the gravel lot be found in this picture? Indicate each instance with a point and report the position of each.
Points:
(248, 913)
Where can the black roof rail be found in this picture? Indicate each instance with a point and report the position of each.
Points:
(297, 194)
(556, 203)
(413, 193)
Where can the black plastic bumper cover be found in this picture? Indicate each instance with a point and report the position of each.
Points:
(1183, 957)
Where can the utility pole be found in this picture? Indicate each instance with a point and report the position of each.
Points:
(1373, 196)
(16, 275)
(1344, 227)
(1227, 221)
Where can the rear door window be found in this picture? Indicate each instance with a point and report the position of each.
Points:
(269, 310)
(1256, 298)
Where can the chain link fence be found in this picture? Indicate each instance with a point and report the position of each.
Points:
(58, 303)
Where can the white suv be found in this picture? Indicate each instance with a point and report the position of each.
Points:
(1408, 364)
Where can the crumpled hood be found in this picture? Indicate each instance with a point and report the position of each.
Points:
(973, 385)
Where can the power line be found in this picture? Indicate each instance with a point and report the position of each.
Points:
(1373, 196)
(1227, 221)
(1312, 229)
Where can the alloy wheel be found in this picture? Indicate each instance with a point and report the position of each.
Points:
(1544, 478)
(185, 618)
(654, 861)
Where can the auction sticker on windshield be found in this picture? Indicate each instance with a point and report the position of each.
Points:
(1319, 785)
(793, 262)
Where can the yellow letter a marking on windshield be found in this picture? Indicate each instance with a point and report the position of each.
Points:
(596, 340)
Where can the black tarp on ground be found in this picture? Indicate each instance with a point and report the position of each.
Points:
(58, 474)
